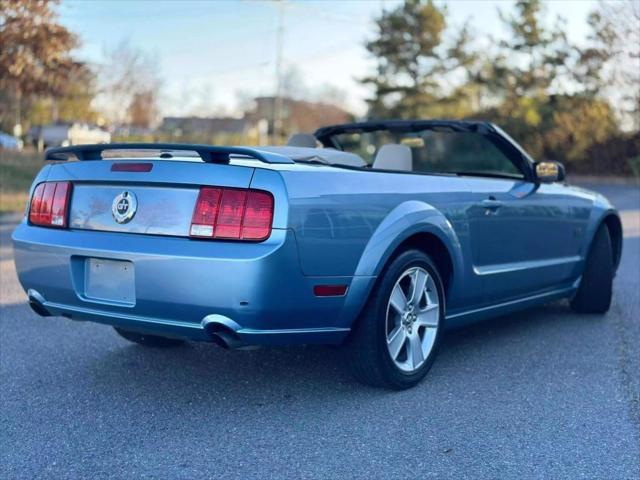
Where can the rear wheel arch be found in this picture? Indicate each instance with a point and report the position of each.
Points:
(412, 224)
(432, 246)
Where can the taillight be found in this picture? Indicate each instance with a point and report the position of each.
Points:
(258, 214)
(232, 214)
(50, 204)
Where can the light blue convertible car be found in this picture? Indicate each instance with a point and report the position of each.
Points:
(374, 235)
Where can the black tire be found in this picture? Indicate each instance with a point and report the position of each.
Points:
(366, 348)
(148, 340)
(595, 290)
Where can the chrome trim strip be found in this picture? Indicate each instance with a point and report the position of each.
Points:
(528, 265)
(286, 331)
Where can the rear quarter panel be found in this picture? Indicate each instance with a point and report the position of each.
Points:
(348, 223)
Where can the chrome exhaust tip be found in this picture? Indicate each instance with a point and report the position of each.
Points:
(39, 309)
(222, 331)
(226, 339)
(36, 303)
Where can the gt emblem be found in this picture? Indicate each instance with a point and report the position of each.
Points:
(124, 207)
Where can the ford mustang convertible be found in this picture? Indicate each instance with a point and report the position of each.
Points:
(375, 236)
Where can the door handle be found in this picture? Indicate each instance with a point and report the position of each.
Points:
(491, 204)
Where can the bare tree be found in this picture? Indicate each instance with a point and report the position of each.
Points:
(330, 95)
(610, 64)
(130, 86)
(142, 111)
(293, 84)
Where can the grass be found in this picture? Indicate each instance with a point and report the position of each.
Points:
(17, 171)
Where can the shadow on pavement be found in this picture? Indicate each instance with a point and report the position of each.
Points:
(114, 366)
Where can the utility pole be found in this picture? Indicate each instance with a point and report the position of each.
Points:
(277, 104)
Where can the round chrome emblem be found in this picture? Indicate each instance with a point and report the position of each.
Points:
(124, 207)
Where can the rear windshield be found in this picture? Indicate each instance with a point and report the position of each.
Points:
(436, 151)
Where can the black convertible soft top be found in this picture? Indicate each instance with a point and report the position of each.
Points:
(324, 134)
(327, 135)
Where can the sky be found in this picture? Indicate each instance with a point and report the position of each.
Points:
(213, 53)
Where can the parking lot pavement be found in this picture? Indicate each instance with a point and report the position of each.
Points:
(542, 394)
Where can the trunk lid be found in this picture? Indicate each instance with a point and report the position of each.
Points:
(161, 199)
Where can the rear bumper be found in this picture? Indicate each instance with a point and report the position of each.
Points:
(181, 284)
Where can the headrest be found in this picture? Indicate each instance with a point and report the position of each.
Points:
(394, 157)
(302, 140)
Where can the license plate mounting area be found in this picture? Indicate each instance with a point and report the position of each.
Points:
(109, 281)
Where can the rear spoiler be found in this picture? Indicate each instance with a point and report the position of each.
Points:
(207, 153)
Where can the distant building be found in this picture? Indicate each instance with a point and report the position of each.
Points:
(126, 132)
(178, 126)
(257, 124)
(297, 115)
(64, 134)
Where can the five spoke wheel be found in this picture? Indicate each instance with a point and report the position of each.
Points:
(412, 319)
(396, 338)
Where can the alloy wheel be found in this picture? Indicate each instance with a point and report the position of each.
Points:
(413, 314)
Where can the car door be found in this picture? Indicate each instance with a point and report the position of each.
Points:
(525, 235)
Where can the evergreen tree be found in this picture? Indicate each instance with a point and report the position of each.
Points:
(413, 59)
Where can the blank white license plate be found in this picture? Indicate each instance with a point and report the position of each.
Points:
(109, 281)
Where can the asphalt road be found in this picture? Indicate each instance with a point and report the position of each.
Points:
(542, 394)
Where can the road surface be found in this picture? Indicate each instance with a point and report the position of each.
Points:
(542, 394)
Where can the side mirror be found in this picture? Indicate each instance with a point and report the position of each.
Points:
(549, 172)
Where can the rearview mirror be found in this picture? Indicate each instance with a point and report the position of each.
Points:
(549, 172)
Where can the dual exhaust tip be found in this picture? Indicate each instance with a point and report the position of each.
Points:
(221, 330)
(224, 337)
(36, 302)
(39, 309)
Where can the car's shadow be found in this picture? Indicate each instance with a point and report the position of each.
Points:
(203, 372)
